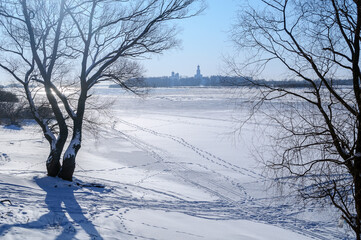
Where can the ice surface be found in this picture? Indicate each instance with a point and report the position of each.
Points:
(170, 166)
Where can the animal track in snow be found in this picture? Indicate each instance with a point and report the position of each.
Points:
(4, 158)
(202, 153)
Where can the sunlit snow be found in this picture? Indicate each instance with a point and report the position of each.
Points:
(169, 166)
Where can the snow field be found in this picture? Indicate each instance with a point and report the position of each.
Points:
(167, 167)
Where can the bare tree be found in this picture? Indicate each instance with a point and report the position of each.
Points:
(29, 54)
(320, 145)
(89, 38)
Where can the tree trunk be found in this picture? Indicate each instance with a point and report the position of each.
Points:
(67, 170)
(56, 145)
(53, 163)
(357, 180)
(357, 183)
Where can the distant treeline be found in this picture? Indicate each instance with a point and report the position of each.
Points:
(216, 81)
(12, 85)
(224, 81)
(302, 83)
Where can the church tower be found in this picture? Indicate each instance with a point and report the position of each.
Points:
(198, 74)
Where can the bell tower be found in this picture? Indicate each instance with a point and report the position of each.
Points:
(198, 74)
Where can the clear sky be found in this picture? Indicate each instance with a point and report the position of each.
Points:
(205, 40)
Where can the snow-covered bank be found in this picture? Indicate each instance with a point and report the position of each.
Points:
(169, 168)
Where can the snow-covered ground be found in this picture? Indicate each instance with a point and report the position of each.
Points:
(169, 166)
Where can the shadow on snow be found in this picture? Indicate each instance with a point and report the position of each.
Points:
(59, 200)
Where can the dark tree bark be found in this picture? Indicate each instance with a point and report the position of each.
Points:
(53, 163)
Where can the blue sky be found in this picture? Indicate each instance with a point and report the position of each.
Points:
(205, 40)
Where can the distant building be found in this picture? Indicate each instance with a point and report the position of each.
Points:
(175, 80)
(175, 76)
(198, 74)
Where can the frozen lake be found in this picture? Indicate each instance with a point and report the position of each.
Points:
(174, 166)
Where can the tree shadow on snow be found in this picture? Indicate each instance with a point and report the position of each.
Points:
(60, 200)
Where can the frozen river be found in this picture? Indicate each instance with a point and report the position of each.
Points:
(173, 164)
